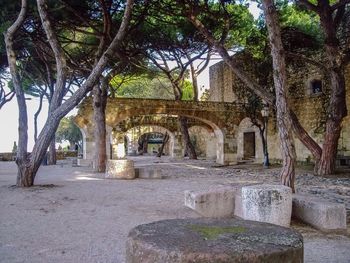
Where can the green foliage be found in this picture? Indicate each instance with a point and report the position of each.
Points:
(142, 87)
(187, 90)
(300, 19)
(68, 131)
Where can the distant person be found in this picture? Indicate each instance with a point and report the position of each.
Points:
(76, 147)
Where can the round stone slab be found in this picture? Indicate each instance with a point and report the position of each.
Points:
(204, 240)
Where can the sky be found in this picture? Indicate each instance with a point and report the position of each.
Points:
(9, 112)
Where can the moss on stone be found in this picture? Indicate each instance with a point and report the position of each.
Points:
(212, 232)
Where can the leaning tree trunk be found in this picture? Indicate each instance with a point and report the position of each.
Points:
(287, 174)
(99, 105)
(164, 142)
(337, 103)
(186, 137)
(51, 156)
(337, 111)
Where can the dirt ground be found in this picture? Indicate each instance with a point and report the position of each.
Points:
(73, 215)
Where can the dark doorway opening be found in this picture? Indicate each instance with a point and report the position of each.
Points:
(249, 145)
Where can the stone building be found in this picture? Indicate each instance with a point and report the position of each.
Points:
(307, 89)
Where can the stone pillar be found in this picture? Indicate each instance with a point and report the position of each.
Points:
(211, 144)
(226, 148)
(108, 141)
(178, 149)
(118, 147)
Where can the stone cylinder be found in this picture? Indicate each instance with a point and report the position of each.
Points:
(267, 203)
(120, 169)
(213, 240)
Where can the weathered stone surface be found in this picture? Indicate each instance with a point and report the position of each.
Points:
(120, 169)
(319, 213)
(267, 203)
(212, 203)
(148, 173)
(84, 162)
(213, 240)
(238, 211)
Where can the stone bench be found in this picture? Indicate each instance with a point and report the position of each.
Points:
(120, 169)
(148, 173)
(84, 162)
(213, 202)
(204, 240)
(321, 214)
(267, 203)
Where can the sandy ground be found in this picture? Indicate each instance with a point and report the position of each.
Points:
(73, 215)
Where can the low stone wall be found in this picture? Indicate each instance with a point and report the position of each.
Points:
(6, 157)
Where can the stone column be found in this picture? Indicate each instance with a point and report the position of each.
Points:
(211, 144)
(108, 141)
(226, 149)
(178, 149)
(118, 147)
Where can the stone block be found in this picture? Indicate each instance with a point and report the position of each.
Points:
(204, 240)
(120, 169)
(212, 203)
(84, 162)
(148, 173)
(321, 214)
(238, 203)
(267, 203)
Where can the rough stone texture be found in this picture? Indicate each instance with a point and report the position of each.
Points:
(84, 162)
(226, 87)
(148, 173)
(120, 169)
(238, 203)
(212, 203)
(267, 203)
(319, 213)
(213, 240)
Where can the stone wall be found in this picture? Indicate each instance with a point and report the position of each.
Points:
(225, 87)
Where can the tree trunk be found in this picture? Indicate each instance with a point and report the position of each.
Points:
(99, 105)
(51, 156)
(186, 137)
(25, 174)
(287, 174)
(194, 82)
(165, 140)
(337, 109)
(145, 143)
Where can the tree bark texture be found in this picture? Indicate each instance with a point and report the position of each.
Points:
(51, 155)
(287, 174)
(99, 105)
(337, 102)
(189, 148)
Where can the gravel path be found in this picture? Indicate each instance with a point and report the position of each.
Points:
(73, 215)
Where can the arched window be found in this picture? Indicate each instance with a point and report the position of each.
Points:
(316, 86)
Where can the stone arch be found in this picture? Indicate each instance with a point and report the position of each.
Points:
(245, 131)
(133, 143)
